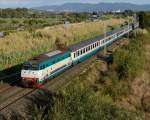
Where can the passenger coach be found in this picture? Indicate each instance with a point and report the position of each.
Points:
(87, 48)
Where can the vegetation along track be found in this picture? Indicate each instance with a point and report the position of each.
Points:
(52, 85)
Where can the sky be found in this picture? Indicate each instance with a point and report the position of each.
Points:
(33, 3)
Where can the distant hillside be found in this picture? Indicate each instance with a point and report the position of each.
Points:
(86, 7)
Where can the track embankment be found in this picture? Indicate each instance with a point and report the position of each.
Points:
(19, 102)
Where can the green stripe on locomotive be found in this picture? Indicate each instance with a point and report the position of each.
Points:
(54, 74)
(53, 60)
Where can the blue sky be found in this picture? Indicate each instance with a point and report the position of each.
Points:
(31, 3)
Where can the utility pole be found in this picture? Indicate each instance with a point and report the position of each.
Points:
(135, 21)
(120, 19)
(105, 46)
(128, 27)
(1, 12)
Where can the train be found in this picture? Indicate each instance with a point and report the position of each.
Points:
(40, 69)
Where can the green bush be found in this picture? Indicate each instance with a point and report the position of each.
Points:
(80, 103)
(129, 61)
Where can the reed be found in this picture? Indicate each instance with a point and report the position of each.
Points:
(20, 46)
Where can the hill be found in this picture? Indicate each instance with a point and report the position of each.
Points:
(87, 7)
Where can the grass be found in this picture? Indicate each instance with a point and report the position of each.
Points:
(82, 100)
(12, 24)
(20, 46)
(88, 97)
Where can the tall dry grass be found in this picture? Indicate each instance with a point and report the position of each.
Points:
(20, 46)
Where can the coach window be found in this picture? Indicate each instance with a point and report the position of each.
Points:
(81, 52)
(110, 38)
(107, 39)
(78, 53)
(74, 55)
(95, 45)
(84, 50)
(89, 47)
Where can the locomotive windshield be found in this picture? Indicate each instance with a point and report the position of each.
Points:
(34, 67)
(26, 67)
(30, 66)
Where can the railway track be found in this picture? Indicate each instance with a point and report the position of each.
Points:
(53, 85)
(12, 100)
(8, 86)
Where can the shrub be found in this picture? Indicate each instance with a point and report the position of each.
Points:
(83, 103)
(129, 61)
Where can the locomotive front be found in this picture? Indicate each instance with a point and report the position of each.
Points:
(30, 74)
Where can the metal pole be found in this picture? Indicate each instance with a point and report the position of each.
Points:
(1, 12)
(128, 27)
(105, 46)
(120, 20)
(135, 20)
